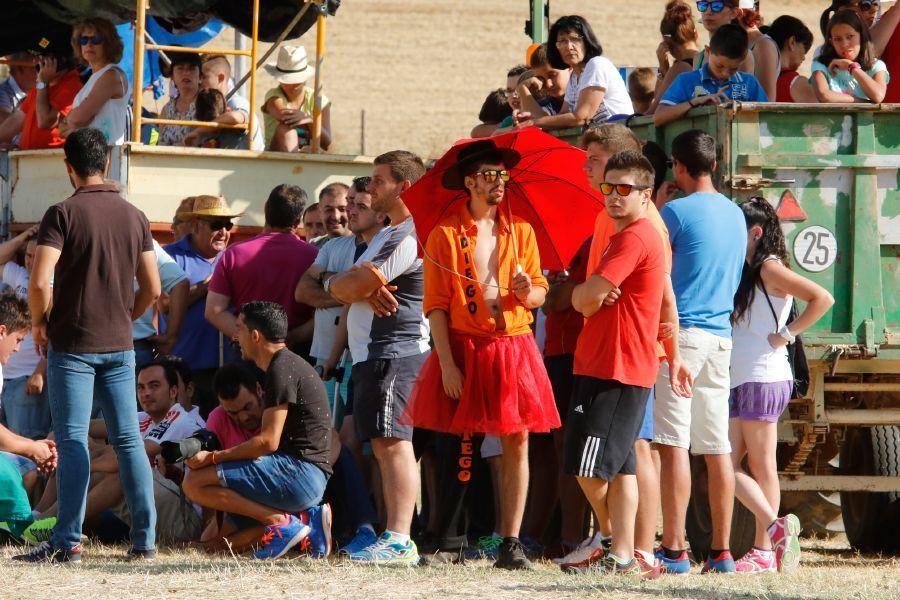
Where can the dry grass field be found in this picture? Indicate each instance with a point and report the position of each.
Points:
(420, 69)
(829, 570)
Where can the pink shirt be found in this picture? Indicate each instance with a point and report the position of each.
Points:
(230, 434)
(266, 267)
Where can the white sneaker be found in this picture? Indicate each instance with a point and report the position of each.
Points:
(583, 552)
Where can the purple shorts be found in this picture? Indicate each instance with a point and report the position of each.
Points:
(760, 401)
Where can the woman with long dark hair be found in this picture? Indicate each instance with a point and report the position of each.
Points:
(596, 90)
(762, 381)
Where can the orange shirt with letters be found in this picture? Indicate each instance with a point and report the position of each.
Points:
(605, 228)
(449, 253)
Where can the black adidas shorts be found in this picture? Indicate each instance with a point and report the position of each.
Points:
(381, 389)
(605, 417)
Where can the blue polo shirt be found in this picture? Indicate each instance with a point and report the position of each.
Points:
(198, 341)
(742, 87)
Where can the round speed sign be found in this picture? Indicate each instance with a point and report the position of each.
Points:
(815, 249)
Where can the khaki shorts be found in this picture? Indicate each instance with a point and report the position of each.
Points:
(176, 519)
(699, 423)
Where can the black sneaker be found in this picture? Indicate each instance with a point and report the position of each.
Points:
(512, 556)
(44, 552)
(134, 554)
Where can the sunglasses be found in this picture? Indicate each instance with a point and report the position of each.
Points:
(865, 5)
(220, 224)
(492, 175)
(715, 7)
(621, 189)
(93, 40)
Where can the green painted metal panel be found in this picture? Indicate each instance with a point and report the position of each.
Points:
(833, 173)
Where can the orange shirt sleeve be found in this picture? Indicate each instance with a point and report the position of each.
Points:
(438, 287)
(660, 225)
(531, 256)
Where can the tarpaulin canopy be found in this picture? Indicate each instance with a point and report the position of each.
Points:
(24, 22)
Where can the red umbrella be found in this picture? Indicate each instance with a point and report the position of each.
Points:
(547, 188)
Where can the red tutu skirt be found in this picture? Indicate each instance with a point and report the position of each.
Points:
(505, 391)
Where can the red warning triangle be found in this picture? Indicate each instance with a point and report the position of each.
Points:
(789, 209)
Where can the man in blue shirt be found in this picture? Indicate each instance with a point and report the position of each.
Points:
(716, 82)
(197, 254)
(709, 246)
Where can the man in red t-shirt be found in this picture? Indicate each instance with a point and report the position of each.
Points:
(266, 267)
(37, 118)
(616, 359)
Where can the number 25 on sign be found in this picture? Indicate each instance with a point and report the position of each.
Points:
(815, 249)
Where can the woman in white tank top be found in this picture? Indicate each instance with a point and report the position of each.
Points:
(103, 101)
(762, 381)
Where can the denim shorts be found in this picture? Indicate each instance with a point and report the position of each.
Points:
(646, 432)
(277, 480)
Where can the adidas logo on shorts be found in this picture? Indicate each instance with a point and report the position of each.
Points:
(578, 409)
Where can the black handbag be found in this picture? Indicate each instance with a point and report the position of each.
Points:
(795, 351)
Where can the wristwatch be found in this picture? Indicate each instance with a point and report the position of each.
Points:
(326, 285)
(41, 85)
(786, 334)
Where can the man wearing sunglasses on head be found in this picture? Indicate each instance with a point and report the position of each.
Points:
(210, 220)
(486, 375)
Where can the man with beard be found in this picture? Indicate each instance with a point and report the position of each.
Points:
(266, 267)
(486, 375)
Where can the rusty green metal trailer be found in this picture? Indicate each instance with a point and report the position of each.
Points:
(833, 174)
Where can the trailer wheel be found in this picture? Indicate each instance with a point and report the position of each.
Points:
(818, 515)
(699, 519)
(871, 520)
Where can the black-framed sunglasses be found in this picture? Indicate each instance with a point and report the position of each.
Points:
(93, 40)
(218, 224)
(716, 7)
(867, 5)
(621, 189)
(491, 175)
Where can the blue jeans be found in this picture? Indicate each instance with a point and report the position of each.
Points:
(28, 416)
(75, 381)
(276, 480)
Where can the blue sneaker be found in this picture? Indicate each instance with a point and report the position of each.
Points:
(674, 566)
(488, 547)
(388, 551)
(364, 538)
(320, 534)
(724, 563)
(278, 539)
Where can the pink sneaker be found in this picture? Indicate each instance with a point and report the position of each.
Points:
(756, 561)
(784, 533)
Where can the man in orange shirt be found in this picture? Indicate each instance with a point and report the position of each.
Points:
(482, 280)
(36, 120)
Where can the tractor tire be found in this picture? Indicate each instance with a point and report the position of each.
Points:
(818, 516)
(871, 520)
(699, 519)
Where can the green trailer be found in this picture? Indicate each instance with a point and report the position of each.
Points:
(833, 174)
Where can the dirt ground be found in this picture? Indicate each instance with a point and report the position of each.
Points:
(829, 570)
(420, 69)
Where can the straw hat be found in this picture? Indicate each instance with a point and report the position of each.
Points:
(292, 66)
(453, 177)
(207, 207)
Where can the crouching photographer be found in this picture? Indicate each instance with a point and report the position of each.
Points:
(280, 472)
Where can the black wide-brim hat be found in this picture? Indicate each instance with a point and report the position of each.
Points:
(452, 178)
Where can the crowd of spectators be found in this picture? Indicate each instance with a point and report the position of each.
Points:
(276, 377)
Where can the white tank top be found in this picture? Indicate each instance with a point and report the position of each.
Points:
(112, 116)
(752, 358)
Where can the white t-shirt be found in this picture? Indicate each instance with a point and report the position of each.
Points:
(23, 362)
(238, 103)
(600, 72)
(178, 424)
(335, 256)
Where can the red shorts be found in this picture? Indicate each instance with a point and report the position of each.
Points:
(506, 389)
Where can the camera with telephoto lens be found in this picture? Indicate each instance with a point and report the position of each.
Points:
(181, 450)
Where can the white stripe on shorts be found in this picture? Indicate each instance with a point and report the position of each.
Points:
(588, 456)
(388, 412)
